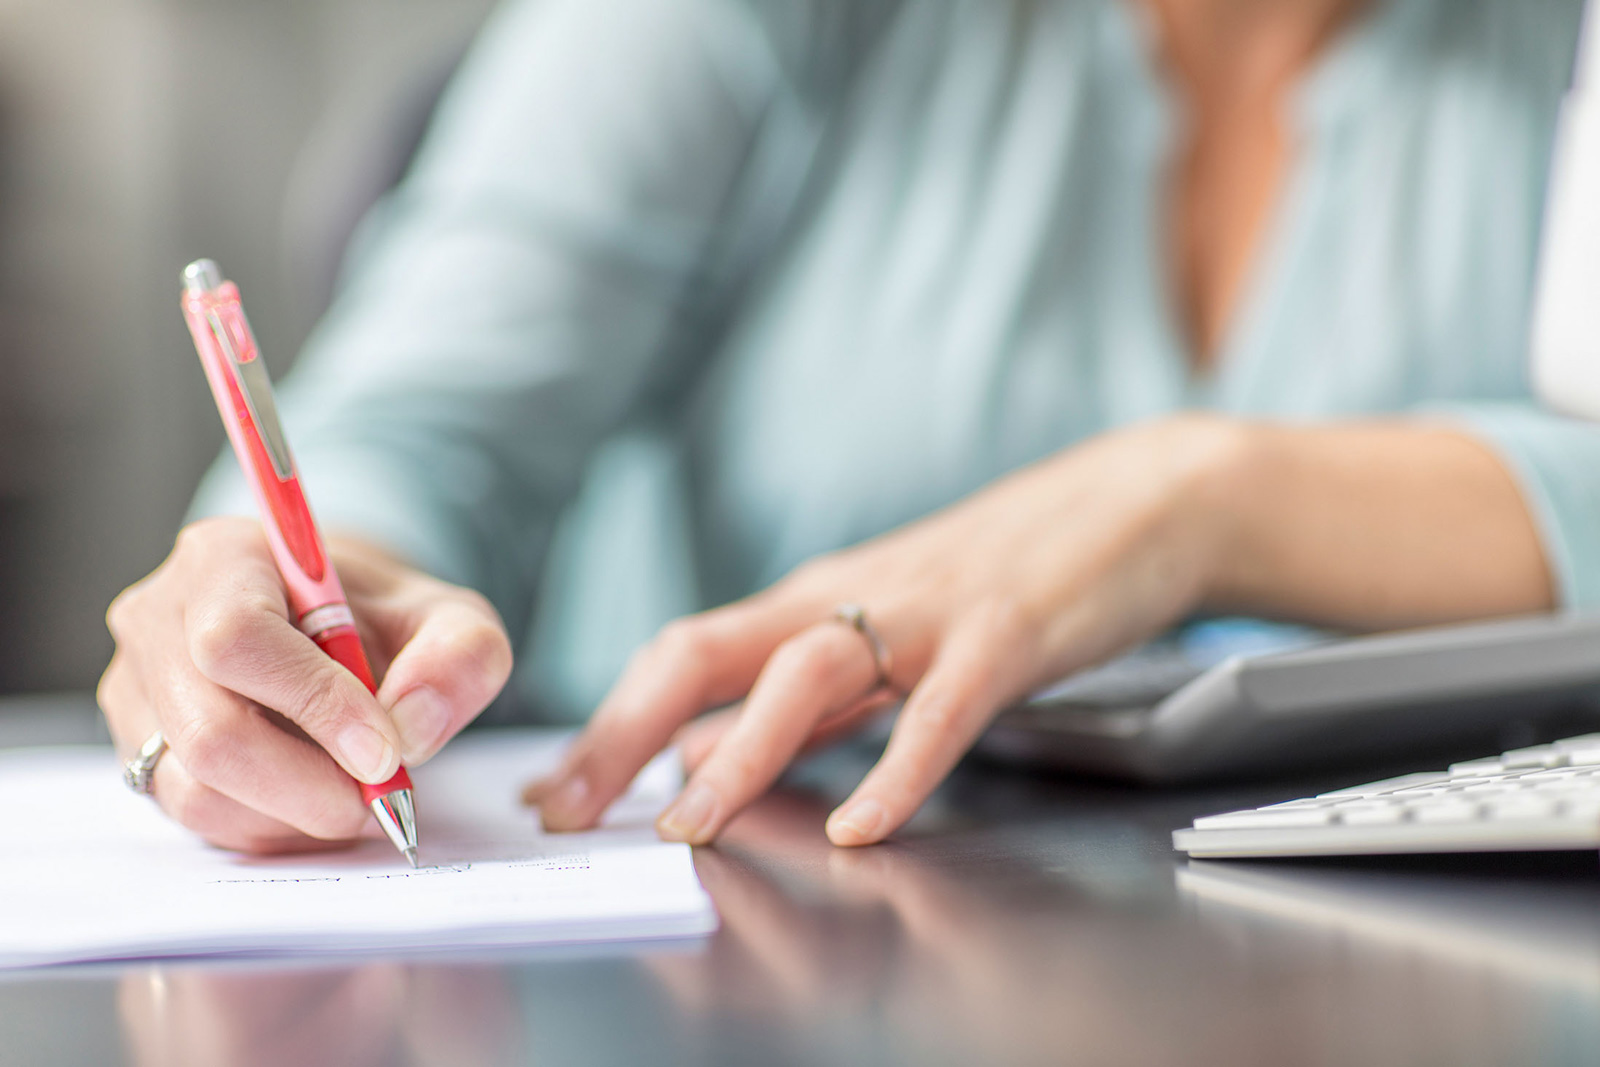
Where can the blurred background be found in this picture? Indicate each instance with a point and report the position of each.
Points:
(136, 135)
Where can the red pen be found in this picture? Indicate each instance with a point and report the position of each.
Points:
(317, 603)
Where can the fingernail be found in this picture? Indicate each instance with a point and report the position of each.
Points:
(858, 822)
(563, 804)
(421, 717)
(687, 819)
(366, 754)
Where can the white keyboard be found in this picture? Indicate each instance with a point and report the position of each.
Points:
(1539, 798)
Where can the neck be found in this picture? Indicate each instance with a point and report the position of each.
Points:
(1220, 48)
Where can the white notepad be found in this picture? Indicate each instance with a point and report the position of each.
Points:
(89, 871)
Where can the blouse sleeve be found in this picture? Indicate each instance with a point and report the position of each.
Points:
(1556, 463)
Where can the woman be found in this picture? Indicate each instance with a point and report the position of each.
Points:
(1152, 307)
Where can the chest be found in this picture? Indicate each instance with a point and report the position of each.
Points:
(981, 276)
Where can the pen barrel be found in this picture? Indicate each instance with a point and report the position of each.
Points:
(233, 367)
(369, 793)
(243, 392)
(343, 644)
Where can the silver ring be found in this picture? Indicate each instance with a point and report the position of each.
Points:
(139, 773)
(855, 617)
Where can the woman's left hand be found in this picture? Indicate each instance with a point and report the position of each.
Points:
(1049, 570)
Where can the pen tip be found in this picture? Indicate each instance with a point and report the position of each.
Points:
(396, 814)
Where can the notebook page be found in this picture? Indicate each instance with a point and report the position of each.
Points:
(89, 871)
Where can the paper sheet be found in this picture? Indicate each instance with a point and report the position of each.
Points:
(89, 871)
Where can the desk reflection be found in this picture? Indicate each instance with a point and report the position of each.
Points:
(1491, 960)
(1076, 938)
(1522, 919)
(996, 961)
(364, 1016)
(823, 953)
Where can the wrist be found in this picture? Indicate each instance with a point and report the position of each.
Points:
(1219, 471)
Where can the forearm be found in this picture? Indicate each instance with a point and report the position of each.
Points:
(1373, 525)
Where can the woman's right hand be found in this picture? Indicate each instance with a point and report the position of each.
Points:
(265, 732)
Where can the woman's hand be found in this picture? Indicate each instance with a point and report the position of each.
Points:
(265, 730)
(1049, 570)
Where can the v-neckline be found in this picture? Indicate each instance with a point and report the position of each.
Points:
(1310, 110)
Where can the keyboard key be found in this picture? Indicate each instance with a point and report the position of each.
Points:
(1372, 814)
(1526, 806)
(1389, 785)
(1308, 802)
(1584, 808)
(1563, 787)
(1586, 756)
(1536, 756)
(1419, 791)
(1292, 818)
(1453, 809)
(1476, 766)
(1491, 789)
(1565, 774)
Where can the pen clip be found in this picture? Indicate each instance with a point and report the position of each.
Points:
(250, 373)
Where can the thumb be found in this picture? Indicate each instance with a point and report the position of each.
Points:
(445, 673)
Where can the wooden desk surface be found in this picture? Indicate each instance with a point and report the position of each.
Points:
(1020, 919)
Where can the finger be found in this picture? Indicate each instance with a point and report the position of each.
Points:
(974, 674)
(240, 638)
(121, 697)
(696, 740)
(219, 819)
(696, 663)
(824, 670)
(229, 745)
(234, 749)
(835, 728)
(455, 662)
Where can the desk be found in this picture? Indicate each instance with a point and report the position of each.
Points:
(1020, 919)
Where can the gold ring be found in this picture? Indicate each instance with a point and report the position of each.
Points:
(855, 617)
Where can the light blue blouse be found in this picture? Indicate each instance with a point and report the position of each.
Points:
(681, 293)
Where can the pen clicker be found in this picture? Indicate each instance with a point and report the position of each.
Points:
(243, 392)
